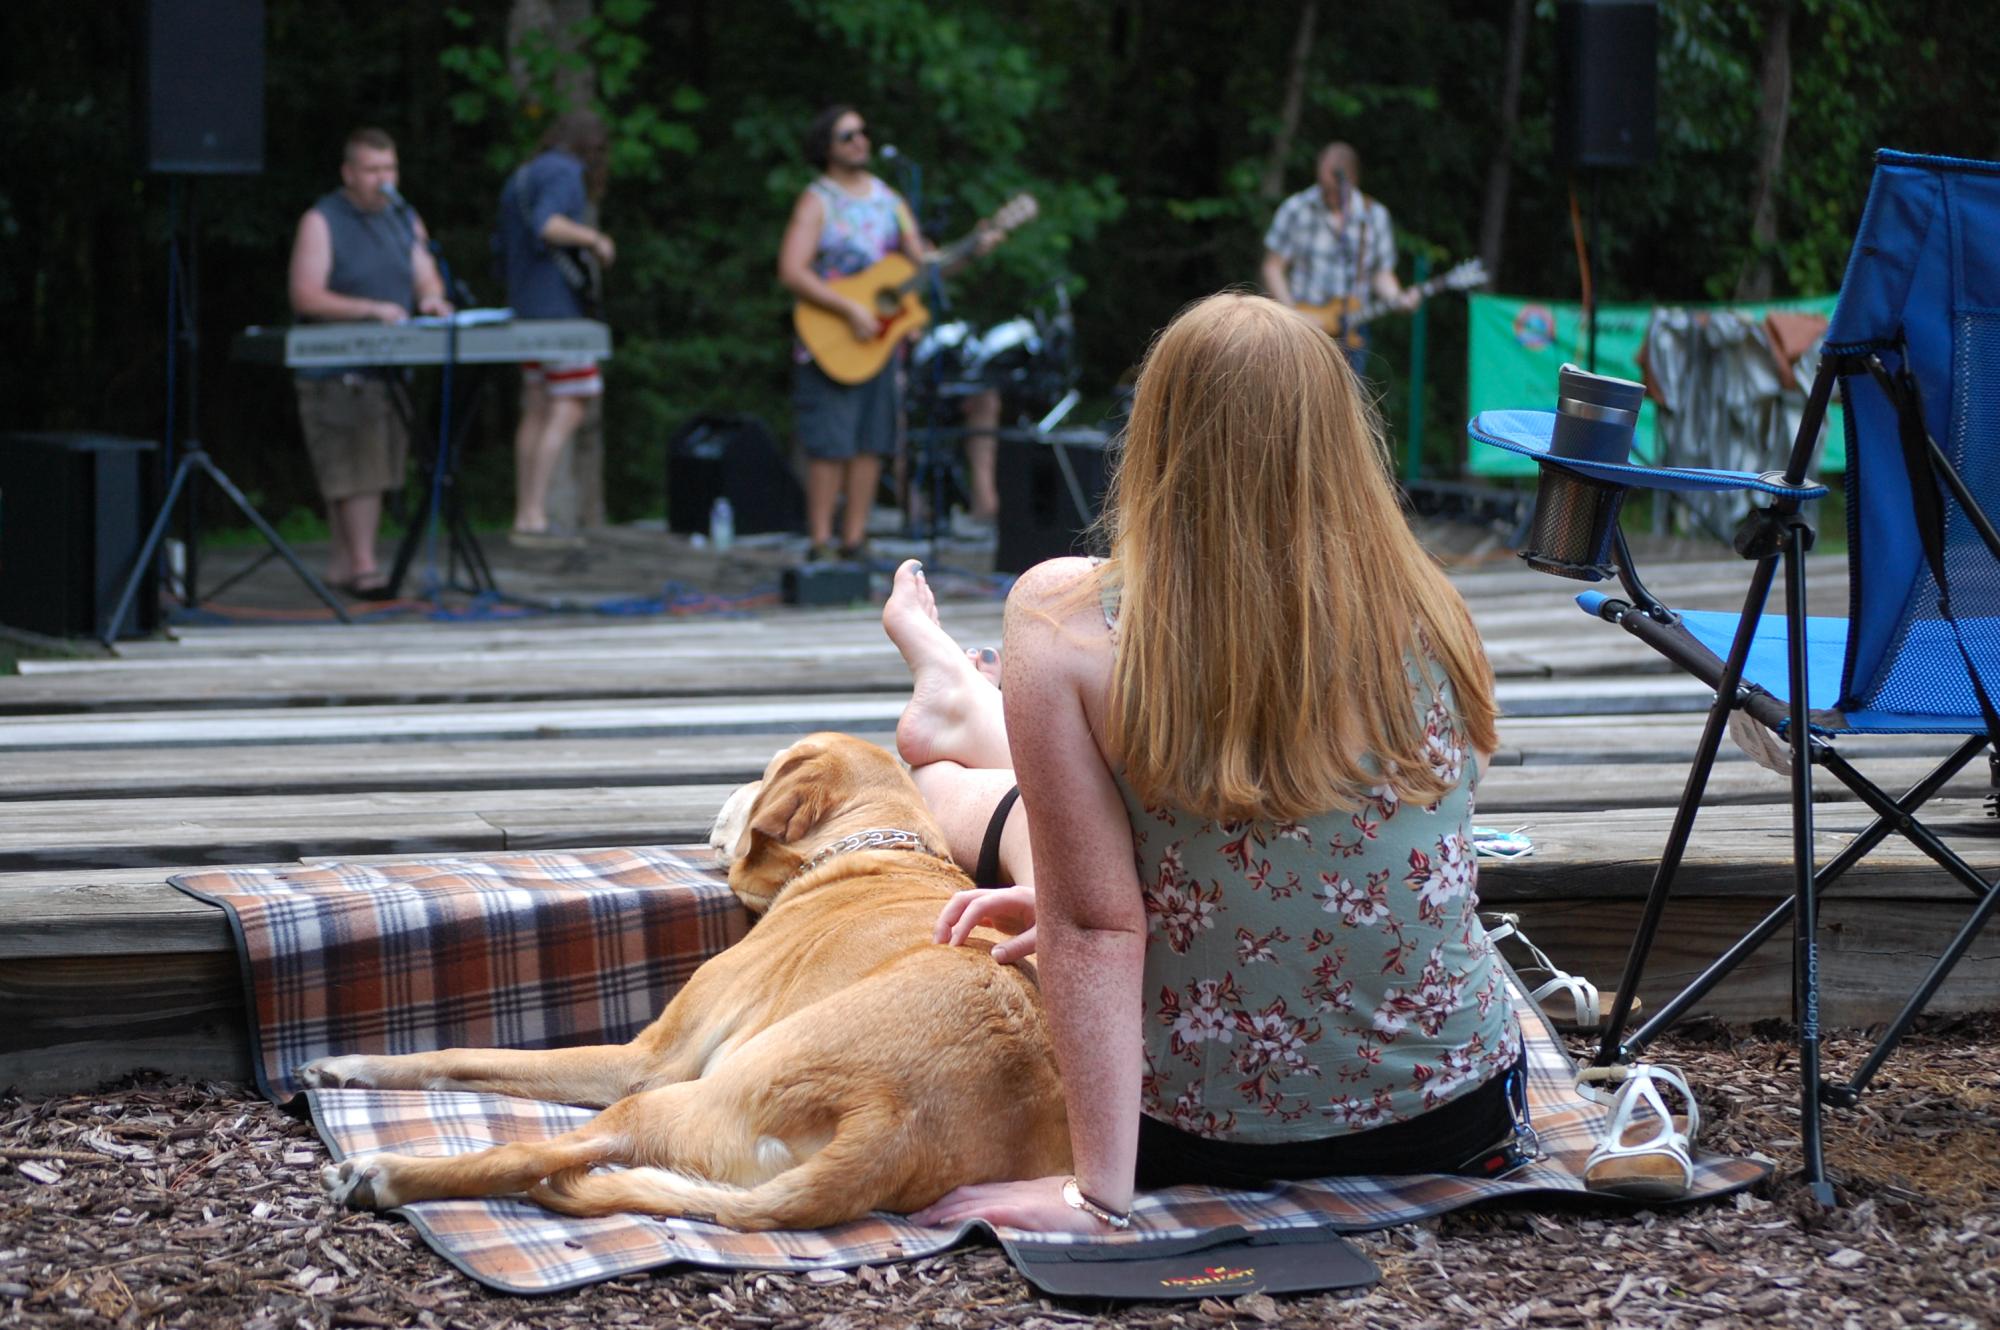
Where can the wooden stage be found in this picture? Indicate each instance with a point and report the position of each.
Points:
(276, 744)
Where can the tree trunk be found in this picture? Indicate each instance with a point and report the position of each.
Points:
(576, 491)
(557, 20)
(1774, 104)
(1272, 186)
(1500, 174)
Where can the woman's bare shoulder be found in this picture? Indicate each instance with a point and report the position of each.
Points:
(1056, 587)
(1055, 623)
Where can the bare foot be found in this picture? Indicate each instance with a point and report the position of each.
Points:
(954, 712)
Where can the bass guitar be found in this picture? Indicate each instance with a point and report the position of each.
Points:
(889, 287)
(1345, 316)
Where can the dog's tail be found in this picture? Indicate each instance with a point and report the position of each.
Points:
(852, 1174)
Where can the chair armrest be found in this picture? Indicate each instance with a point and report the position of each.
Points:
(1528, 433)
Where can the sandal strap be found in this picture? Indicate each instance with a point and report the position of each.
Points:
(1641, 1090)
(1581, 993)
(1510, 926)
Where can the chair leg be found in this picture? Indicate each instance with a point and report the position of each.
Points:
(1805, 924)
(1891, 814)
(1610, 1045)
(1920, 999)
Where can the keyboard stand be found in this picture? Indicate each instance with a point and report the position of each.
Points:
(440, 495)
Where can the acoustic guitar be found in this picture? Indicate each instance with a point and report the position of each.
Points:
(889, 287)
(1345, 316)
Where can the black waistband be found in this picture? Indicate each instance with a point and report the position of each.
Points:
(987, 874)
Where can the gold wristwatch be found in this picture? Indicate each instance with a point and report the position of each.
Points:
(1073, 1197)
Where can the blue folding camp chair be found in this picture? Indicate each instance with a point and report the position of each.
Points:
(1914, 348)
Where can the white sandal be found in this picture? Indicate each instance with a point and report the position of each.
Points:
(1571, 1003)
(1649, 1159)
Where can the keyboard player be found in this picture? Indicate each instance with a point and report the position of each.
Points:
(358, 256)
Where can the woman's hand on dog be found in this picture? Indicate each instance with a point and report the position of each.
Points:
(1009, 909)
(1035, 1204)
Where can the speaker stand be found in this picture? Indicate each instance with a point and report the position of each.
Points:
(183, 326)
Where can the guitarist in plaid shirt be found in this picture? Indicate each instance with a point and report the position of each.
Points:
(1331, 242)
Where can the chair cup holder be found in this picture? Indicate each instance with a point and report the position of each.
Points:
(1575, 519)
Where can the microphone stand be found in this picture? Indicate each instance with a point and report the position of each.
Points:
(913, 192)
(442, 466)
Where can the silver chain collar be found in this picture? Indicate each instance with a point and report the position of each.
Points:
(873, 838)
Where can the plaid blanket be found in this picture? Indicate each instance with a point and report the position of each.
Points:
(497, 951)
(518, 1247)
(547, 950)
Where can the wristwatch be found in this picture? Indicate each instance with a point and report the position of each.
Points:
(1073, 1197)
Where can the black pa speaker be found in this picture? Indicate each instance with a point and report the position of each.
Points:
(1607, 77)
(1039, 516)
(203, 100)
(733, 457)
(73, 510)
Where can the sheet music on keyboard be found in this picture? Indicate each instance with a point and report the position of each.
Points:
(464, 318)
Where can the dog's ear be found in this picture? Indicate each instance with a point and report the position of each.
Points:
(794, 799)
(732, 821)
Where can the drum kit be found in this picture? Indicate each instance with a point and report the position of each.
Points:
(1026, 359)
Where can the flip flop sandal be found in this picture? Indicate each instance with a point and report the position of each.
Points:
(1644, 1154)
(1570, 1003)
(1493, 843)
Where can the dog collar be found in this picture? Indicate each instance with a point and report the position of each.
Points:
(874, 838)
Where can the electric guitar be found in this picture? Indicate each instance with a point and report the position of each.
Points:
(1344, 316)
(889, 287)
(583, 274)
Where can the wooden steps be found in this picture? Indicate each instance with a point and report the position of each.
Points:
(272, 744)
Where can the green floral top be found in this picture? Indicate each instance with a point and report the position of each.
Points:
(1305, 979)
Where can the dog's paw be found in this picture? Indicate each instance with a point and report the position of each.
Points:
(364, 1182)
(733, 818)
(352, 1072)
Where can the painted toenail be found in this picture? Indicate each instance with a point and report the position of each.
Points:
(988, 654)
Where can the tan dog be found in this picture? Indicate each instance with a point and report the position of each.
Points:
(835, 1061)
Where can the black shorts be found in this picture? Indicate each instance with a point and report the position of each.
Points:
(1443, 1140)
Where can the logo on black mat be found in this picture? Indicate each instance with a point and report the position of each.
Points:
(1212, 1276)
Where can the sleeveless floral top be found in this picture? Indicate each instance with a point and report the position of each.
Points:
(855, 231)
(1308, 979)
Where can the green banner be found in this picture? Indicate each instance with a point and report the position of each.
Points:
(1514, 347)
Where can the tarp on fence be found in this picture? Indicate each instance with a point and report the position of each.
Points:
(1516, 344)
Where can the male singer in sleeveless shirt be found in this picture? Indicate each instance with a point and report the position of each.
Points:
(358, 256)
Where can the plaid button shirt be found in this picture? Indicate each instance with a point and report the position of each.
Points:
(1324, 261)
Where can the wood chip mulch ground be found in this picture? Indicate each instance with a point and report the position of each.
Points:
(156, 1203)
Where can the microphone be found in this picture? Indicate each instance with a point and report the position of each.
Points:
(395, 197)
(889, 152)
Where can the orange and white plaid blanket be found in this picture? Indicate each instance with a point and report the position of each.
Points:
(546, 950)
(542, 950)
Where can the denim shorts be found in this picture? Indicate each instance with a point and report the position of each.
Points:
(835, 422)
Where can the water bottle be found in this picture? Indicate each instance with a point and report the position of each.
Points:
(721, 523)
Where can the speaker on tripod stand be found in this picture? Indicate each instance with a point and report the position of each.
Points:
(203, 108)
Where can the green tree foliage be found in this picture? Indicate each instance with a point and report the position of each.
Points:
(1140, 125)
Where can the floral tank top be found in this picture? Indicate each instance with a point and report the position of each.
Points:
(1308, 979)
(855, 232)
